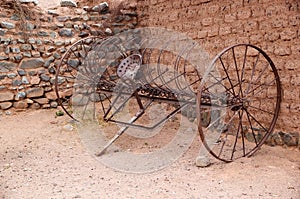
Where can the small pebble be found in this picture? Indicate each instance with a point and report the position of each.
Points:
(68, 127)
(202, 161)
(7, 112)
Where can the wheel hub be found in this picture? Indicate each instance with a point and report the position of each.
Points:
(238, 104)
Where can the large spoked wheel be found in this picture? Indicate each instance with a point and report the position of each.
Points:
(72, 64)
(239, 101)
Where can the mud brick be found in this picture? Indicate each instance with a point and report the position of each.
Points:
(264, 26)
(291, 94)
(173, 16)
(274, 10)
(213, 31)
(288, 123)
(193, 34)
(256, 38)
(213, 9)
(202, 34)
(234, 5)
(293, 6)
(243, 39)
(285, 80)
(272, 92)
(224, 30)
(207, 21)
(251, 26)
(296, 49)
(279, 22)
(290, 65)
(229, 18)
(192, 13)
(176, 4)
(282, 50)
(294, 118)
(284, 108)
(269, 106)
(177, 27)
(188, 26)
(258, 11)
(166, 5)
(225, 8)
(272, 36)
(197, 2)
(218, 20)
(278, 61)
(295, 80)
(218, 43)
(265, 1)
(230, 41)
(238, 28)
(295, 107)
(244, 14)
(153, 2)
(288, 34)
(186, 3)
(294, 20)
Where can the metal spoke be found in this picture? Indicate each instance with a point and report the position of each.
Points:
(253, 71)
(237, 71)
(261, 88)
(227, 132)
(243, 68)
(257, 79)
(249, 120)
(265, 111)
(256, 120)
(241, 127)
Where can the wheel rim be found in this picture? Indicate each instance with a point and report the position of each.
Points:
(243, 91)
(67, 72)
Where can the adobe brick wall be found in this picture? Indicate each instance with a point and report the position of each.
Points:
(273, 25)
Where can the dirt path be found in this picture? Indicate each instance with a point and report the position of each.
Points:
(41, 158)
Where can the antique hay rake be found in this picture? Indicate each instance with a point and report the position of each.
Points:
(141, 80)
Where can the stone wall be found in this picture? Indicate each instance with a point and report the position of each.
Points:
(273, 25)
(31, 46)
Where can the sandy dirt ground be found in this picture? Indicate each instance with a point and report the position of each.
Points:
(41, 157)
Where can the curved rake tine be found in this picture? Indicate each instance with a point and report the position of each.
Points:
(158, 66)
(180, 56)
